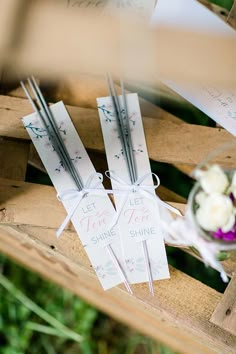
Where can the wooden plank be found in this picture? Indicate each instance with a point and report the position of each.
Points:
(8, 19)
(18, 200)
(170, 196)
(13, 157)
(192, 52)
(230, 264)
(178, 315)
(191, 148)
(232, 16)
(84, 90)
(34, 159)
(100, 163)
(224, 315)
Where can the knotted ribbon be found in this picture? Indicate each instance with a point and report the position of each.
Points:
(145, 190)
(91, 186)
(182, 232)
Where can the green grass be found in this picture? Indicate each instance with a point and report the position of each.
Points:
(53, 321)
(227, 4)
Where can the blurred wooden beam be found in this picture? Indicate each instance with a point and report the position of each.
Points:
(9, 11)
(87, 43)
(163, 140)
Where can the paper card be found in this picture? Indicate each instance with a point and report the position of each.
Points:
(93, 216)
(219, 104)
(140, 7)
(139, 214)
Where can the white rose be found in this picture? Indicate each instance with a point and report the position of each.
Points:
(213, 180)
(200, 197)
(216, 212)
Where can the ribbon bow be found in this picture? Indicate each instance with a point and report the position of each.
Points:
(90, 186)
(138, 186)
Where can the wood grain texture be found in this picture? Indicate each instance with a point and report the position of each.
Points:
(128, 39)
(230, 264)
(100, 163)
(34, 159)
(13, 158)
(24, 203)
(178, 315)
(29, 203)
(83, 91)
(8, 15)
(165, 141)
(224, 315)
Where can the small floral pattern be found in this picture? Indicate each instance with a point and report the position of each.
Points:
(157, 267)
(110, 116)
(137, 151)
(75, 159)
(135, 264)
(41, 133)
(104, 270)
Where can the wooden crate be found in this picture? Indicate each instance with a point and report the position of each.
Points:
(185, 314)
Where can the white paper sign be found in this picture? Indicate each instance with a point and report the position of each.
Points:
(93, 216)
(139, 214)
(219, 104)
(140, 7)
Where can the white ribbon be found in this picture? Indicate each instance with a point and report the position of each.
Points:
(146, 190)
(91, 186)
(182, 232)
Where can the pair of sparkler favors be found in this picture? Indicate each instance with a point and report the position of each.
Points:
(125, 244)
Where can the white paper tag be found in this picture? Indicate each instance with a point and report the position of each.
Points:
(140, 7)
(139, 212)
(93, 216)
(217, 103)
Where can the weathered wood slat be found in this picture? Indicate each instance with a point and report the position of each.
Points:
(163, 139)
(178, 315)
(28, 204)
(230, 263)
(13, 158)
(224, 315)
(83, 91)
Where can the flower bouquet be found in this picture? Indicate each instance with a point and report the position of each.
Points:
(209, 223)
(212, 204)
